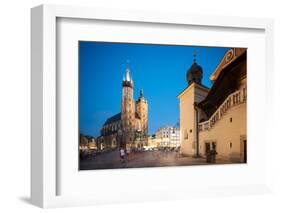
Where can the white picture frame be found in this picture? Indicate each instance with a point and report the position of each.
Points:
(44, 169)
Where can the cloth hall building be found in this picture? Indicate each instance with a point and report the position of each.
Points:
(215, 118)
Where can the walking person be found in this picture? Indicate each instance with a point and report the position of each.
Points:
(177, 150)
(122, 155)
(128, 151)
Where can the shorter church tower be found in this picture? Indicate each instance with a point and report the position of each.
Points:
(142, 112)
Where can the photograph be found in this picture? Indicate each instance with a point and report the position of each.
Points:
(158, 105)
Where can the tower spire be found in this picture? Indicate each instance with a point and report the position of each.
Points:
(128, 74)
(141, 93)
(194, 56)
(127, 79)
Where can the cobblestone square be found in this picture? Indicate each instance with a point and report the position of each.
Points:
(112, 160)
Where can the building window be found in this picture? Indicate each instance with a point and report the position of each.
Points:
(190, 130)
(230, 145)
(230, 120)
(185, 134)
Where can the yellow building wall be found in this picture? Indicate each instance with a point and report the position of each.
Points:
(225, 132)
(194, 93)
(187, 121)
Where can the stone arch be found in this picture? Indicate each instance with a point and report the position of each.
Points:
(113, 142)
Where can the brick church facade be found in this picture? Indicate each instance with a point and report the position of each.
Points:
(128, 128)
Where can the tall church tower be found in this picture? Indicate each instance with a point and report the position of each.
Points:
(128, 108)
(142, 111)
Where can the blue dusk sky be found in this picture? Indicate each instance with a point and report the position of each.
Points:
(159, 69)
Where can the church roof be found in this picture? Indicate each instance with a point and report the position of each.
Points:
(113, 119)
(116, 118)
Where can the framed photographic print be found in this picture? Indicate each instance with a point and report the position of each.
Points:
(151, 106)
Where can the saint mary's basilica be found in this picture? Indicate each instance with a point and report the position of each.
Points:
(128, 128)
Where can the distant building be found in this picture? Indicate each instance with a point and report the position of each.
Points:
(92, 143)
(168, 137)
(83, 142)
(130, 126)
(152, 141)
(87, 142)
(215, 118)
